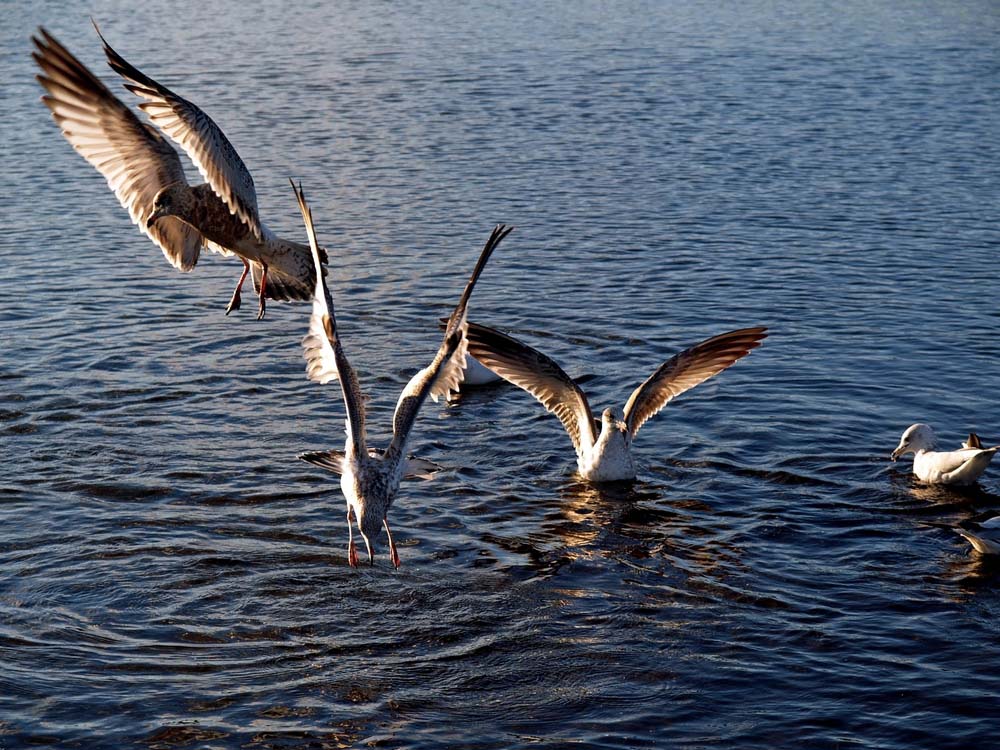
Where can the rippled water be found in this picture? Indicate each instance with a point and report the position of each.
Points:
(172, 577)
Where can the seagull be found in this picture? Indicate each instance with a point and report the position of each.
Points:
(604, 448)
(146, 174)
(369, 477)
(984, 537)
(962, 467)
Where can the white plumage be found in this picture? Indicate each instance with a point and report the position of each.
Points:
(961, 467)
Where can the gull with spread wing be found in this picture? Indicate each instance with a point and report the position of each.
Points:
(146, 174)
(604, 448)
(369, 477)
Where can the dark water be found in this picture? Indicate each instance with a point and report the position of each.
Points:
(170, 575)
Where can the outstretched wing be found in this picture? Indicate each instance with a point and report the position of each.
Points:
(413, 467)
(686, 370)
(540, 376)
(324, 355)
(195, 132)
(135, 159)
(444, 374)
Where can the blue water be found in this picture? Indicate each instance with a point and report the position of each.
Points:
(172, 577)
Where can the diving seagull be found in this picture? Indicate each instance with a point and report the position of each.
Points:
(961, 467)
(604, 449)
(146, 174)
(369, 477)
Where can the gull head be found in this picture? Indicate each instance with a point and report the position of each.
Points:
(612, 419)
(167, 203)
(370, 525)
(918, 437)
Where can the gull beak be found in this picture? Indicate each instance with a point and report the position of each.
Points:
(152, 219)
(895, 454)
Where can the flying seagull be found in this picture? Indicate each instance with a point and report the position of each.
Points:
(146, 174)
(962, 467)
(369, 477)
(604, 449)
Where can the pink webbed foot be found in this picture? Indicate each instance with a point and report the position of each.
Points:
(352, 554)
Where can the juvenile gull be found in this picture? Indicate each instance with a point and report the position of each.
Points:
(604, 450)
(146, 174)
(370, 478)
(961, 468)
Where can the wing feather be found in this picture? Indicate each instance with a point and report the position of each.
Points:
(324, 355)
(540, 376)
(684, 371)
(444, 374)
(195, 132)
(134, 158)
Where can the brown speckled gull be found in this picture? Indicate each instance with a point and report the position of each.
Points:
(145, 172)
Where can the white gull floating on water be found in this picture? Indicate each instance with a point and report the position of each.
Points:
(604, 449)
(369, 477)
(961, 468)
(146, 174)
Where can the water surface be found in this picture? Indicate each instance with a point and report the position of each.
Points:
(172, 577)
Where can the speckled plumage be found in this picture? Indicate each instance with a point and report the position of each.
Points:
(370, 479)
(146, 174)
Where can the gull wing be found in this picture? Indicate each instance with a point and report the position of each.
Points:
(444, 374)
(686, 370)
(135, 159)
(969, 461)
(413, 467)
(324, 355)
(195, 132)
(540, 376)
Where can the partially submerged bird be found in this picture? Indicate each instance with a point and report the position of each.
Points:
(146, 174)
(370, 478)
(476, 373)
(984, 537)
(604, 448)
(961, 467)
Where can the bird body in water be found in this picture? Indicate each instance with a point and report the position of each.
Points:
(961, 467)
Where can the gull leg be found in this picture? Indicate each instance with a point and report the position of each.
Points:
(352, 550)
(263, 286)
(234, 303)
(393, 554)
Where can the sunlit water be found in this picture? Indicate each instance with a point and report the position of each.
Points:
(172, 577)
